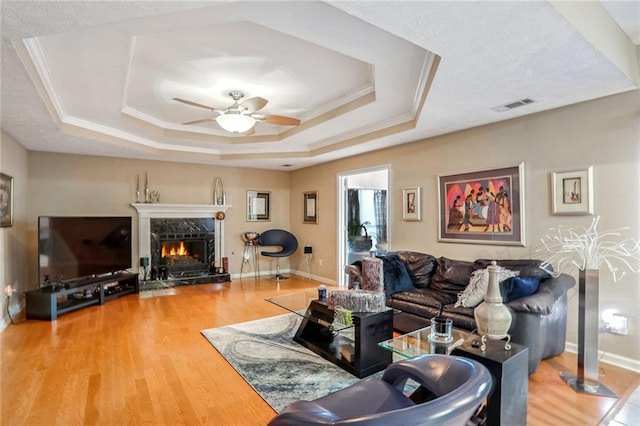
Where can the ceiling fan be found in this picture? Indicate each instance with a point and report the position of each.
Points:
(241, 117)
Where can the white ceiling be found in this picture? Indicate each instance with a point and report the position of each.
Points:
(98, 78)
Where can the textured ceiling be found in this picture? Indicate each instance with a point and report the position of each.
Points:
(98, 78)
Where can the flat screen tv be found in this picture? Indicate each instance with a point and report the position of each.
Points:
(72, 248)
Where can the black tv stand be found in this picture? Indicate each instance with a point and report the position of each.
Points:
(46, 303)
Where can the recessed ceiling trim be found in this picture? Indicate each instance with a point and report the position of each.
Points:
(33, 59)
(342, 109)
(79, 127)
(338, 103)
(429, 67)
(391, 122)
(431, 64)
(387, 131)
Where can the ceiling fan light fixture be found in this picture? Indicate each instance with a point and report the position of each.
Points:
(235, 122)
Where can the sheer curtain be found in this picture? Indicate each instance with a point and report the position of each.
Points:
(353, 206)
(380, 211)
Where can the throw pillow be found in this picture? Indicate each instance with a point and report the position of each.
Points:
(396, 276)
(527, 267)
(474, 293)
(372, 278)
(420, 266)
(517, 287)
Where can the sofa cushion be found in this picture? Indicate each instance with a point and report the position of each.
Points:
(526, 267)
(425, 297)
(396, 277)
(420, 267)
(474, 293)
(517, 287)
(452, 276)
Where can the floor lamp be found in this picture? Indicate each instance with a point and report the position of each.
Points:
(588, 249)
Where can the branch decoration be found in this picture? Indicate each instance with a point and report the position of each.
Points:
(587, 248)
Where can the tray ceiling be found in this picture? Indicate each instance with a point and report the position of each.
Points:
(98, 78)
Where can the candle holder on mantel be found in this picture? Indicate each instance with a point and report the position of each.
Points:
(587, 249)
(493, 319)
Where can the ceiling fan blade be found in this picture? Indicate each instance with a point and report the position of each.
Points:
(250, 132)
(281, 120)
(198, 121)
(254, 104)
(195, 104)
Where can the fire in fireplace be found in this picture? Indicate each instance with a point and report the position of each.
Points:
(184, 257)
(180, 252)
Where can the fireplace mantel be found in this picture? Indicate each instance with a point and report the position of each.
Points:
(147, 211)
(178, 210)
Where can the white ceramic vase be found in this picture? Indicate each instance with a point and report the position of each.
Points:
(493, 318)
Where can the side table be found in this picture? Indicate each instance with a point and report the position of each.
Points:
(507, 403)
(250, 251)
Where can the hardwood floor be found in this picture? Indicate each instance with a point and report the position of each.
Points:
(142, 360)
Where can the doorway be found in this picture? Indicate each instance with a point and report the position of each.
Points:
(363, 206)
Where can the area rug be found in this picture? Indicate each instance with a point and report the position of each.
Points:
(281, 371)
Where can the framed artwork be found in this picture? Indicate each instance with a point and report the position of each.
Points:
(411, 205)
(482, 207)
(6, 200)
(572, 192)
(311, 207)
(258, 206)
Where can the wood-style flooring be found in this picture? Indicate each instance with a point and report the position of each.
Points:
(140, 361)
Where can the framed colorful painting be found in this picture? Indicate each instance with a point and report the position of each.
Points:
(482, 207)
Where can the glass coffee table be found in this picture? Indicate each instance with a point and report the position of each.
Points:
(350, 344)
(418, 343)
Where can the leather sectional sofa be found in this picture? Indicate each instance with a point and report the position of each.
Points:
(433, 286)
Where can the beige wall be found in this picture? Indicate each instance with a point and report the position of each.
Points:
(13, 250)
(603, 133)
(83, 185)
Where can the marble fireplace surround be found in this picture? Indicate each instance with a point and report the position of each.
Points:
(147, 211)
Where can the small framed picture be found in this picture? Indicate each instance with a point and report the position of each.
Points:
(258, 206)
(6, 200)
(311, 207)
(411, 206)
(572, 192)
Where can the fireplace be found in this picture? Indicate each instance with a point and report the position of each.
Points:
(180, 242)
(182, 248)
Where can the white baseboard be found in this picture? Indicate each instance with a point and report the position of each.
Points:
(607, 358)
(315, 278)
(267, 274)
(15, 310)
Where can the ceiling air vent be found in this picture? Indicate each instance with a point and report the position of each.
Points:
(512, 105)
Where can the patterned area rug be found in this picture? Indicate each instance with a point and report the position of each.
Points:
(281, 371)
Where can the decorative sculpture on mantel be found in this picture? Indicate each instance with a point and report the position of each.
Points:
(146, 188)
(219, 194)
(137, 188)
(587, 250)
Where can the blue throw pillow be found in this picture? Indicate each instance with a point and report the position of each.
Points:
(517, 287)
(396, 276)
